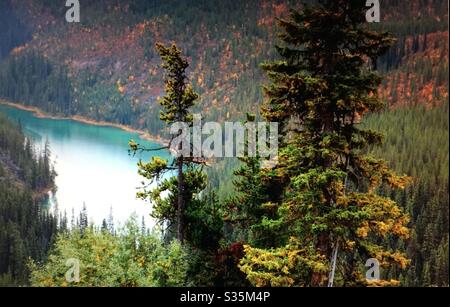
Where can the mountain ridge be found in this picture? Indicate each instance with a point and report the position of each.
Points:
(114, 75)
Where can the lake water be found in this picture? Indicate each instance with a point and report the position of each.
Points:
(93, 166)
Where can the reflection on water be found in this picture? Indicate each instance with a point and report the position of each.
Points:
(93, 166)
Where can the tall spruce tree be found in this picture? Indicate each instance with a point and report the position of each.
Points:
(330, 215)
(255, 201)
(190, 180)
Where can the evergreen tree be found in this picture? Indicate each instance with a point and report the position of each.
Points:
(104, 227)
(254, 203)
(179, 99)
(83, 221)
(321, 88)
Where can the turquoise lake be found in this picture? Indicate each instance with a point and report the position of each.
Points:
(93, 166)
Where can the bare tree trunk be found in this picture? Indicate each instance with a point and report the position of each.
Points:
(181, 206)
(333, 264)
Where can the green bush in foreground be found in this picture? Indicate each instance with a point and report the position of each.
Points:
(133, 258)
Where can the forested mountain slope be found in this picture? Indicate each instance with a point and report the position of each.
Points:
(106, 68)
(26, 230)
(416, 143)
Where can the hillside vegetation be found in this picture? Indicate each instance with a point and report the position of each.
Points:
(106, 67)
(26, 230)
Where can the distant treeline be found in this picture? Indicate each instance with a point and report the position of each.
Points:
(30, 78)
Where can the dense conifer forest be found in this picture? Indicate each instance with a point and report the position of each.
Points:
(108, 68)
(27, 230)
(363, 163)
(417, 144)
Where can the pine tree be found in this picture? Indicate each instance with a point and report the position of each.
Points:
(104, 227)
(254, 203)
(331, 213)
(83, 221)
(179, 99)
